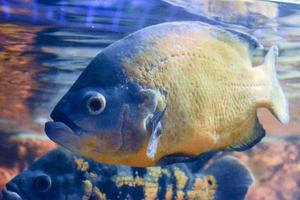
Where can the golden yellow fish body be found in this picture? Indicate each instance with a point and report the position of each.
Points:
(173, 89)
(212, 89)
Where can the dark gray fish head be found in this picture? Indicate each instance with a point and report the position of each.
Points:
(28, 185)
(103, 112)
(45, 178)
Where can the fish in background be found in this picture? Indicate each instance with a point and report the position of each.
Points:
(60, 175)
(169, 93)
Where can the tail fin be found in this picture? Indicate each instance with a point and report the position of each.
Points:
(233, 178)
(279, 103)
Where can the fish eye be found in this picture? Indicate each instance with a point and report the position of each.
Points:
(42, 183)
(96, 104)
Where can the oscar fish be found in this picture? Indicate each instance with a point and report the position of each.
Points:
(60, 175)
(168, 93)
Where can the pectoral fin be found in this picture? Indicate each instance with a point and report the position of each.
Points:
(152, 146)
(194, 163)
(171, 159)
(154, 127)
(155, 120)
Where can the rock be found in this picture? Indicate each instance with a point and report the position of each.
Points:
(276, 166)
(18, 71)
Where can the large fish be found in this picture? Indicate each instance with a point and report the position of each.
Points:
(167, 93)
(59, 175)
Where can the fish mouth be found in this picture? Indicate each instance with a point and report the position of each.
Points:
(10, 195)
(60, 118)
(63, 131)
(11, 192)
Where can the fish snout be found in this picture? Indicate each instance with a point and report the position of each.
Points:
(9, 195)
(11, 192)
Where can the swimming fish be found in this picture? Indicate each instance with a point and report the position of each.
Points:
(60, 175)
(168, 93)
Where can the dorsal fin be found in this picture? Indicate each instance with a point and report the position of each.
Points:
(249, 40)
(244, 43)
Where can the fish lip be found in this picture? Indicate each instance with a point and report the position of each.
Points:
(61, 134)
(61, 117)
(11, 192)
(12, 187)
(52, 126)
(11, 195)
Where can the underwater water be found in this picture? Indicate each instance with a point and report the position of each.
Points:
(45, 45)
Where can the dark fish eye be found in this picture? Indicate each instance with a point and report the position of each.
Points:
(96, 104)
(42, 183)
(209, 182)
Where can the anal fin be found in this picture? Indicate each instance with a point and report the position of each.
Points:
(197, 163)
(194, 163)
(174, 158)
(154, 127)
(251, 138)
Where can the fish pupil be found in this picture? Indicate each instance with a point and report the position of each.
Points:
(42, 183)
(210, 182)
(95, 104)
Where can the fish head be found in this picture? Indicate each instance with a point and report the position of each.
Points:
(104, 112)
(45, 179)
